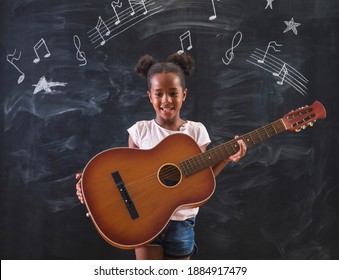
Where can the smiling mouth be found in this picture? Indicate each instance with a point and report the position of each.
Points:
(167, 110)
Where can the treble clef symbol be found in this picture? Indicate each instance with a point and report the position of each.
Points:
(80, 55)
(229, 53)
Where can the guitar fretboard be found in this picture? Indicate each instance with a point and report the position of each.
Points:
(225, 150)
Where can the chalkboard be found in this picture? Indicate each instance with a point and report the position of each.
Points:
(69, 91)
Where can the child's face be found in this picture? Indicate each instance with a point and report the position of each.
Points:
(166, 95)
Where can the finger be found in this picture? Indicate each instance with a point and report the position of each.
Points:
(235, 158)
(242, 147)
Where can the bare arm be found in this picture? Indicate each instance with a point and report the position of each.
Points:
(217, 168)
(131, 143)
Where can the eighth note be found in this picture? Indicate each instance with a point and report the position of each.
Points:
(37, 47)
(183, 37)
(22, 77)
(98, 27)
(285, 71)
(116, 4)
(270, 46)
(80, 55)
(143, 4)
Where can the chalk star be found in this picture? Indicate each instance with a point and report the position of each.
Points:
(269, 4)
(291, 25)
(44, 85)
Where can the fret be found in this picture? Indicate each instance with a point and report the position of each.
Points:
(184, 168)
(248, 139)
(273, 132)
(252, 137)
(258, 135)
(225, 150)
(200, 161)
(222, 154)
(190, 166)
(266, 131)
(274, 129)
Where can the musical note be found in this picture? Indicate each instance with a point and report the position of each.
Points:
(80, 55)
(22, 76)
(229, 53)
(214, 11)
(183, 37)
(292, 76)
(98, 26)
(37, 47)
(126, 20)
(116, 4)
(270, 46)
(285, 71)
(143, 3)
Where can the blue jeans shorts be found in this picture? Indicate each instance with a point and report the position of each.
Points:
(177, 239)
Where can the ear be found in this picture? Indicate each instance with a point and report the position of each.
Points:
(149, 96)
(184, 94)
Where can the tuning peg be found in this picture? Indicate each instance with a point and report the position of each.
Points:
(311, 124)
(298, 130)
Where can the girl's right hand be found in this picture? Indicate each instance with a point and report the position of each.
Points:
(78, 176)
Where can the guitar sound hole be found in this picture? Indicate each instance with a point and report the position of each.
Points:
(169, 175)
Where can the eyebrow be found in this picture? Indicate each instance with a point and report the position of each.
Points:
(159, 89)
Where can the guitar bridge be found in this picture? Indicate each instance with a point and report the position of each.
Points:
(125, 195)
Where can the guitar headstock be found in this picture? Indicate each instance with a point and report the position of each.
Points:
(304, 116)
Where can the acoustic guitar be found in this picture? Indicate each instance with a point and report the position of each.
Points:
(130, 194)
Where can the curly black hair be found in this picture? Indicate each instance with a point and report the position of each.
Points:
(180, 64)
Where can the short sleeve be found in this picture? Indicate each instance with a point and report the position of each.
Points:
(134, 133)
(202, 136)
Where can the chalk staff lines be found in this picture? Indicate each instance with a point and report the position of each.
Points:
(109, 30)
(274, 65)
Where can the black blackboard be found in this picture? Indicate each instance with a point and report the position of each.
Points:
(279, 202)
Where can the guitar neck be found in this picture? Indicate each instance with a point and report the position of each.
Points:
(225, 150)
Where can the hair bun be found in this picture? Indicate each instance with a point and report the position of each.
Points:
(184, 60)
(144, 64)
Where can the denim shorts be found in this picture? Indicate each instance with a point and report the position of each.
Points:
(177, 239)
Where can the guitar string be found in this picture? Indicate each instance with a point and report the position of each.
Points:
(201, 161)
(194, 162)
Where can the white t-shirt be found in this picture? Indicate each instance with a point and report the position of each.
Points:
(148, 134)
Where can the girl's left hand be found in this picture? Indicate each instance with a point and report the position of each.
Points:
(242, 150)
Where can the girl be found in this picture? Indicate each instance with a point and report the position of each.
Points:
(167, 92)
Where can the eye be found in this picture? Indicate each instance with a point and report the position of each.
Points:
(174, 94)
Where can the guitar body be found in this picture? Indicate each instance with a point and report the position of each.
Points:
(131, 193)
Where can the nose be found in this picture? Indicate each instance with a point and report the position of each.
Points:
(166, 98)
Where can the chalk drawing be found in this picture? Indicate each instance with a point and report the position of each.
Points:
(230, 52)
(37, 47)
(185, 37)
(80, 55)
(10, 60)
(127, 18)
(291, 25)
(44, 85)
(277, 67)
